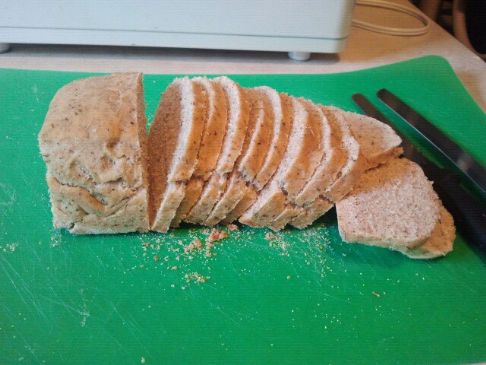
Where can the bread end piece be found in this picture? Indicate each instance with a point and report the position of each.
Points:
(93, 142)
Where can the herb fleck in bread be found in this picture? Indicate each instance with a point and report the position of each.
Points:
(94, 144)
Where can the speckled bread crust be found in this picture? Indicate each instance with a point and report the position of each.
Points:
(94, 144)
(255, 148)
(238, 114)
(281, 114)
(211, 143)
(393, 205)
(174, 141)
(300, 159)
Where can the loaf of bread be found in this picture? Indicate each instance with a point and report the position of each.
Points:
(219, 153)
(93, 142)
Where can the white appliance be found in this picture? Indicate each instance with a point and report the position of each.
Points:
(295, 26)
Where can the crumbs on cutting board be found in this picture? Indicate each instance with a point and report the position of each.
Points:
(188, 256)
(10, 247)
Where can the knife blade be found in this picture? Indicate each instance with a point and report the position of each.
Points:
(469, 213)
(463, 161)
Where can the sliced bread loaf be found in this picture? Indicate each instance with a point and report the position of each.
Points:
(175, 137)
(238, 115)
(393, 205)
(94, 144)
(253, 152)
(211, 143)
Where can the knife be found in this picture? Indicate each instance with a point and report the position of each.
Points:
(469, 213)
(463, 161)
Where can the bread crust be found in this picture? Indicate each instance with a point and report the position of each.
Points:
(93, 141)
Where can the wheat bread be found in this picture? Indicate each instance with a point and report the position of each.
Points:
(440, 242)
(302, 155)
(174, 142)
(211, 143)
(326, 171)
(93, 142)
(248, 164)
(378, 143)
(393, 205)
(237, 122)
(280, 112)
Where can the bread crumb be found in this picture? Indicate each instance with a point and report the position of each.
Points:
(195, 245)
(269, 236)
(289, 277)
(196, 277)
(10, 247)
(214, 236)
(174, 268)
(376, 294)
(232, 227)
(156, 258)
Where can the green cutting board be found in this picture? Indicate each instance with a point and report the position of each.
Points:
(300, 297)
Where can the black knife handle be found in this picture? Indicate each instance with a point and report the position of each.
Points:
(469, 213)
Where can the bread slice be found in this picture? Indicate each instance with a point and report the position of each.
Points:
(211, 143)
(248, 164)
(326, 172)
(350, 169)
(303, 154)
(174, 141)
(94, 144)
(393, 205)
(238, 115)
(280, 112)
(378, 143)
(355, 163)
